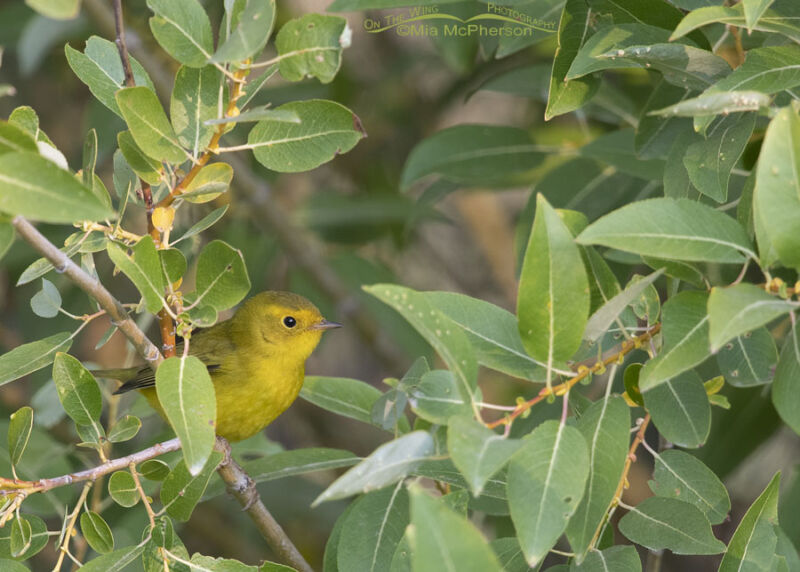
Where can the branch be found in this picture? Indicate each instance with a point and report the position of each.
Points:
(14, 486)
(583, 372)
(241, 486)
(116, 311)
(121, 45)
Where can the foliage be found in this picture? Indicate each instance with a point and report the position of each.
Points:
(655, 293)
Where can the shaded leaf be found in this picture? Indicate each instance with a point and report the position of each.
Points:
(77, 390)
(222, 280)
(343, 396)
(478, 452)
(148, 123)
(32, 356)
(19, 432)
(182, 28)
(680, 409)
(47, 301)
(752, 546)
(683, 477)
(195, 98)
(786, 385)
(749, 359)
(311, 46)
(97, 532)
(143, 267)
(250, 35)
(181, 491)
(546, 480)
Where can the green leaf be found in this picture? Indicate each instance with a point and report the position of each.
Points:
(173, 264)
(749, 359)
(209, 183)
(19, 431)
(553, 303)
(616, 558)
(670, 228)
(386, 465)
(21, 536)
(712, 103)
(326, 129)
(780, 22)
(124, 429)
(97, 532)
(546, 480)
(478, 452)
(440, 539)
(739, 309)
(77, 390)
(122, 489)
(600, 50)
(710, 161)
(752, 546)
(186, 394)
(618, 149)
(15, 139)
(766, 70)
(682, 476)
(565, 96)
(449, 341)
(114, 561)
(786, 385)
(204, 223)
(181, 491)
(492, 331)
(195, 99)
(298, 462)
(38, 189)
(143, 268)
(602, 319)
(32, 356)
(6, 238)
(372, 530)
(145, 167)
(183, 30)
(605, 426)
(311, 46)
(100, 68)
(348, 397)
(258, 114)
(680, 410)
(154, 470)
(776, 200)
(47, 301)
(475, 155)
(56, 9)
(682, 66)
(38, 540)
(149, 125)
(222, 280)
(685, 333)
(655, 135)
(251, 33)
(659, 523)
(753, 10)
(438, 397)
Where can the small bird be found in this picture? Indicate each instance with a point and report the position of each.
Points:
(256, 360)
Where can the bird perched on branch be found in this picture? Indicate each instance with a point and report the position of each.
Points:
(256, 360)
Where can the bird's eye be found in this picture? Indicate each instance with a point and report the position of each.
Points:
(289, 322)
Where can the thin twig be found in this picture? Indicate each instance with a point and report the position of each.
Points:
(241, 486)
(121, 45)
(64, 548)
(92, 287)
(583, 372)
(151, 516)
(14, 487)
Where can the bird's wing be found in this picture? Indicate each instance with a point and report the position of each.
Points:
(202, 346)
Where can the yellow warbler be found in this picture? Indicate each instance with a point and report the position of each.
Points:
(256, 360)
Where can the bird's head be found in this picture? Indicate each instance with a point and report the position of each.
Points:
(282, 321)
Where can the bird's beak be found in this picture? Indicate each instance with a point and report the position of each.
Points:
(325, 325)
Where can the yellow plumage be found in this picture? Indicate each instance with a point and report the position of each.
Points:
(256, 360)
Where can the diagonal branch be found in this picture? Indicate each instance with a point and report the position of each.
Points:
(241, 486)
(116, 311)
